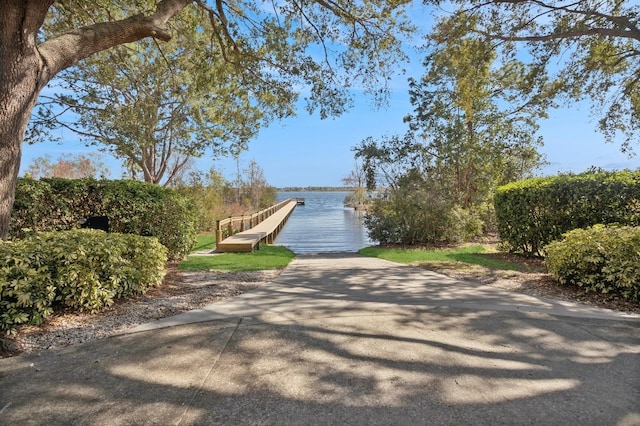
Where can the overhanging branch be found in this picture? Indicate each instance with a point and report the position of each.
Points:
(67, 49)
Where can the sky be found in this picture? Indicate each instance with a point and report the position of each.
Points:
(306, 151)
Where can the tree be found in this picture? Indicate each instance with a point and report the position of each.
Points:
(595, 45)
(473, 128)
(157, 107)
(356, 180)
(68, 166)
(475, 117)
(255, 192)
(285, 46)
(206, 193)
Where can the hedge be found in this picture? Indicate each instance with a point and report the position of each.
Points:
(602, 259)
(82, 270)
(132, 207)
(534, 212)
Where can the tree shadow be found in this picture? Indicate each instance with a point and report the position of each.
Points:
(392, 354)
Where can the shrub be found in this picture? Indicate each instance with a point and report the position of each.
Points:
(600, 259)
(144, 209)
(131, 207)
(80, 269)
(27, 288)
(207, 205)
(533, 212)
(420, 216)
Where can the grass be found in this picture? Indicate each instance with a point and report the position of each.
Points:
(205, 242)
(473, 254)
(267, 257)
(274, 257)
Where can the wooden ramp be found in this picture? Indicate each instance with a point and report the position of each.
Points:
(265, 231)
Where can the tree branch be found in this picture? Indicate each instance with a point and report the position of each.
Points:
(67, 49)
(623, 26)
(565, 35)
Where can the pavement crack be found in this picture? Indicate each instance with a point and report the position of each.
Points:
(189, 403)
(5, 407)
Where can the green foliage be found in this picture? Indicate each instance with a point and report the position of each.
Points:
(473, 118)
(267, 257)
(132, 208)
(356, 182)
(419, 212)
(601, 259)
(270, 50)
(221, 76)
(206, 194)
(186, 104)
(145, 266)
(27, 288)
(80, 269)
(144, 209)
(213, 197)
(251, 190)
(591, 47)
(534, 212)
(442, 174)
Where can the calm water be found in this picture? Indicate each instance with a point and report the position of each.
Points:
(322, 225)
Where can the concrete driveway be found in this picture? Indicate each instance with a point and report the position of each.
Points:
(343, 339)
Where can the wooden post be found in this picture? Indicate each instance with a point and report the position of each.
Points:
(218, 233)
(242, 224)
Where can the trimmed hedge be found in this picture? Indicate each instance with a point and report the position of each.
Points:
(82, 269)
(599, 259)
(534, 212)
(132, 207)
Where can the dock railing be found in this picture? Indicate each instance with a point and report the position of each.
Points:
(244, 222)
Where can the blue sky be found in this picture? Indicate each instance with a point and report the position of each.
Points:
(307, 151)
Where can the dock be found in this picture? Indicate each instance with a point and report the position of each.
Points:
(263, 227)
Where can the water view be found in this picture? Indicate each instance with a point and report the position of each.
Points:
(322, 225)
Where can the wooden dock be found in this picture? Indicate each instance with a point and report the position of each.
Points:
(265, 230)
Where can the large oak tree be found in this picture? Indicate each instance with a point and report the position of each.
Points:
(322, 45)
(155, 106)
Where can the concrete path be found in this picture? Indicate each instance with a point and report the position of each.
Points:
(342, 339)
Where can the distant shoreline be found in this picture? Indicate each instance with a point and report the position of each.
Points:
(315, 189)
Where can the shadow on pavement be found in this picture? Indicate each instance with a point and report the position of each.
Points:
(395, 348)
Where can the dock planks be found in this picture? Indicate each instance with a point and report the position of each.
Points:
(265, 231)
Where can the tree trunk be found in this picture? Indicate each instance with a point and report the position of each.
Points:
(25, 68)
(20, 82)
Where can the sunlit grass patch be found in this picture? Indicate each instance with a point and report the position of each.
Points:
(205, 242)
(472, 254)
(267, 257)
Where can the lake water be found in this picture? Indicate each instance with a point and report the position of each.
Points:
(322, 225)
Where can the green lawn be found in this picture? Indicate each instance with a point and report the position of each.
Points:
(474, 254)
(205, 242)
(267, 257)
(274, 257)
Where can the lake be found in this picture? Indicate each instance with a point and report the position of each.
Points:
(322, 225)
